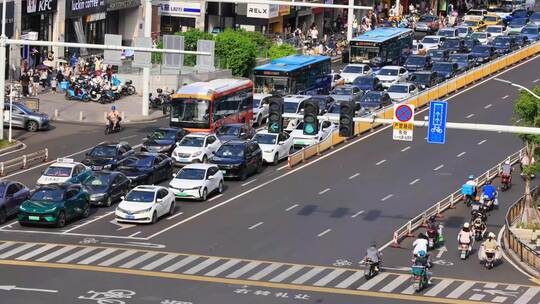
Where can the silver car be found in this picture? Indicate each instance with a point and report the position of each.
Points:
(25, 118)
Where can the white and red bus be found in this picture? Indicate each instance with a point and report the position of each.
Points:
(204, 106)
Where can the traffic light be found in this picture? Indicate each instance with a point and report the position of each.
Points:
(275, 114)
(346, 115)
(311, 123)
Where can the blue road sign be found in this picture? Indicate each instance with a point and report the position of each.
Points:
(437, 122)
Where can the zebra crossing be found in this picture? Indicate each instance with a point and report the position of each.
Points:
(264, 271)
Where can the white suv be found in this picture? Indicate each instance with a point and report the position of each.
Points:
(195, 147)
(145, 204)
(260, 108)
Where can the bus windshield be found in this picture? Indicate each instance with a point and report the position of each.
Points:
(266, 84)
(359, 53)
(190, 110)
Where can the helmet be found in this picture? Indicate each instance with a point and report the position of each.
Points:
(471, 177)
(491, 235)
(507, 162)
(113, 108)
(373, 244)
(421, 253)
(466, 225)
(488, 182)
(159, 90)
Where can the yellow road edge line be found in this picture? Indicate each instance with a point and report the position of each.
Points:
(239, 282)
(264, 261)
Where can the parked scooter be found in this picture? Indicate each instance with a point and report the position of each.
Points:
(77, 93)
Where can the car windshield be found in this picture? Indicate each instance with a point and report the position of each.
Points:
(471, 23)
(447, 32)
(103, 151)
(163, 134)
(415, 60)
(191, 173)
(530, 30)
(458, 58)
(228, 130)
(519, 13)
(256, 103)
(474, 13)
(371, 97)
(363, 81)
(479, 36)
(462, 30)
(518, 22)
(490, 18)
(430, 40)
(443, 67)
(426, 19)
(334, 109)
(266, 139)
(535, 16)
(388, 72)
(436, 53)
(141, 161)
(501, 41)
(58, 171)
(494, 29)
(353, 69)
(24, 108)
(97, 180)
(342, 91)
(140, 196)
(231, 151)
(422, 77)
(48, 195)
(451, 43)
(192, 141)
(290, 107)
(480, 49)
(398, 89)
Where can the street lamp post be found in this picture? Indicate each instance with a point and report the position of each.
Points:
(518, 86)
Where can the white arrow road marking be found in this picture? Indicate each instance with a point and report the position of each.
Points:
(13, 287)
(122, 226)
(441, 250)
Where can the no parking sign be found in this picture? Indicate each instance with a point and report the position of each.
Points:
(403, 122)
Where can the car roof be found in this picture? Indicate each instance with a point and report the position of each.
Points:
(295, 98)
(199, 134)
(265, 131)
(401, 84)
(199, 166)
(261, 95)
(232, 124)
(356, 64)
(149, 188)
(236, 142)
(392, 67)
(112, 143)
(433, 36)
(65, 163)
(168, 129)
(422, 72)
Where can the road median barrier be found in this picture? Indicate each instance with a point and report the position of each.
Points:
(23, 162)
(448, 202)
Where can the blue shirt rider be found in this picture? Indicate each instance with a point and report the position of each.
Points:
(489, 190)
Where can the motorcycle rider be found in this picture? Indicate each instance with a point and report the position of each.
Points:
(489, 192)
(114, 117)
(465, 236)
(470, 187)
(420, 244)
(479, 224)
(433, 226)
(489, 246)
(374, 255)
(422, 259)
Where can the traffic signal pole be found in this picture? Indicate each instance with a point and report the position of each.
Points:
(3, 45)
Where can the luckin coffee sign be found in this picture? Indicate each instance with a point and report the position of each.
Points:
(262, 11)
(86, 7)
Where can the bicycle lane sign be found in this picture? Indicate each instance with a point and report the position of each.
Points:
(437, 122)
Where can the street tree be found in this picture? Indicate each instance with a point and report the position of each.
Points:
(527, 112)
(278, 51)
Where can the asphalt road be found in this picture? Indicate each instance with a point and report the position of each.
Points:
(328, 209)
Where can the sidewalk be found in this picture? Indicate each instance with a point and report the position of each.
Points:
(130, 108)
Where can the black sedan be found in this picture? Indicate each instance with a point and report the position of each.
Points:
(454, 45)
(438, 55)
(106, 187)
(106, 155)
(235, 131)
(504, 44)
(368, 83)
(483, 54)
(163, 140)
(373, 101)
(445, 70)
(463, 61)
(146, 168)
(470, 43)
(12, 194)
(425, 79)
(325, 102)
(239, 158)
(417, 63)
(521, 40)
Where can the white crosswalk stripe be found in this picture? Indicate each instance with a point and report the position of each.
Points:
(55, 254)
(118, 258)
(97, 256)
(438, 288)
(373, 281)
(6, 245)
(396, 283)
(528, 295)
(138, 260)
(38, 251)
(76, 255)
(180, 263)
(15, 250)
(245, 269)
(289, 272)
(266, 271)
(160, 261)
(350, 280)
(308, 275)
(329, 277)
(201, 266)
(456, 293)
(217, 271)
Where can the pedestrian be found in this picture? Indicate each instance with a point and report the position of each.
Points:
(43, 75)
(34, 82)
(365, 24)
(373, 19)
(25, 82)
(355, 26)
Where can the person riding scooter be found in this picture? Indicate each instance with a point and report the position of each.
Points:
(469, 190)
(490, 250)
(506, 174)
(420, 244)
(373, 255)
(114, 118)
(479, 228)
(489, 195)
(465, 236)
(422, 259)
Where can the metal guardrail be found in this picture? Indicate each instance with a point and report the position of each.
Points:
(449, 201)
(525, 253)
(424, 97)
(23, 162)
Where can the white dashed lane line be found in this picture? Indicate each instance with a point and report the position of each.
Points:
(291, 207)
(536, 80)
(481, 142)
(470, 115)
(324, 232)
(255, 226)
(354, 175)
(461, 154)
(136, 233)
(215, 197)
(324, 191)
(405, 149)
(414, 181)
(175, 215)
(380, 162)
(488, 106)
(504, 97)
(438, 167)
(251, 181)
(386, 197)
(357, 213)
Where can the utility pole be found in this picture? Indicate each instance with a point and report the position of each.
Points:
(350, 19)
(146, 71)
(3, 39)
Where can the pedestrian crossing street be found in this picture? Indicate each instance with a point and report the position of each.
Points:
(264, 271)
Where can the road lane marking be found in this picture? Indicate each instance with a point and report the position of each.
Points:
(499, 299)
(351, 279)
(6, 245)
(173, 216)
(33, 253)
(354, 175)
(292, 207)
(118, 258)
(405, 149)
(201, 266)
(134, 234)
(528, 295)
(380, 162)
(246, 268)
(357, 213)
(386, 197)
(461, 154)
(77, 254)
(255, 226)
(438, 288)
(469, 116)
(477, 297)
(536, 80)
(324, 191)
(282, 167)
(481, 142)
(505, 96)
(266, 271)
(512, 287)
(89, 222)
(414, 181)
(160, 261)
(216, 271)
(16, 250)
(251, 181)
(287, 273)
(491, 285)
(438, 167)
(138, 260)
(373, 281)
(215, 197)
(329, 277)
(396, 283)
(308, 275)
(128, 137)
(488, 106)
(98, 256)
(183, 262)
(327, 155)
(457, 292)
(324, 232)
(55, 254)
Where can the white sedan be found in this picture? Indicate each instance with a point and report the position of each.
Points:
(432, 42)
(145, 204)
(197, 181)
(351, 71)
(274, 146)
(195, 147)
(391, 74)
(300, 139)
(402, 91)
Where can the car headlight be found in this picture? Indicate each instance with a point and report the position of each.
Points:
(50, 210)
(195, 154)
(142, 211)
(97, 196)
(193, 188)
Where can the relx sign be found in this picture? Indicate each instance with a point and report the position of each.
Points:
(262, 11)
(39, 6)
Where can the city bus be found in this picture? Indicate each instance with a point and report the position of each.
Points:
(204, 106)
(381, 46)
(295, 74)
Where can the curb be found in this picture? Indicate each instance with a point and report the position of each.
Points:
(523, 267)
(19, 146)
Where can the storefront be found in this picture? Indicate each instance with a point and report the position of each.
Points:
(259, 17)
(37, 16)
(220, 16)
(86, 21)
(179, 16)
(122, 19)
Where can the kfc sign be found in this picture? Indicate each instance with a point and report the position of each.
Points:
(39, 6)
(264, 11)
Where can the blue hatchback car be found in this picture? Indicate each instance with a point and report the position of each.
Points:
(239, 158)
(532, 31)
